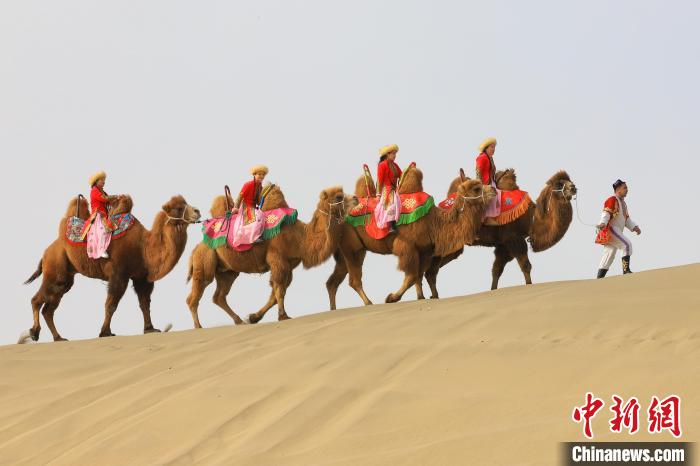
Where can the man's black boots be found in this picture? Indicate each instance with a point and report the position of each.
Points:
(626, 265)
(601, 273)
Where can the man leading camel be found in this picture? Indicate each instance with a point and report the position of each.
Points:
(611, 227)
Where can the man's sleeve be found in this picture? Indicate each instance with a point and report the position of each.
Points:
(483, 170)
(608, 209)
(381, 176)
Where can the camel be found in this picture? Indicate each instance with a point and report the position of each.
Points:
(439, 233)
(141, 256)
(309, 244)
(543, 225)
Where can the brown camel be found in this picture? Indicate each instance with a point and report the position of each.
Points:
(141, 256)
(543, 225)
(309, 244)
(440, 232)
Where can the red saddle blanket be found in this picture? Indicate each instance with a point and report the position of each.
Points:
(413, 207)
(76, 228)
(513, 205)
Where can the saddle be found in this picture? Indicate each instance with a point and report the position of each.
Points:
(77, 228)
(218, 231)
(414, 206)
(514, 204)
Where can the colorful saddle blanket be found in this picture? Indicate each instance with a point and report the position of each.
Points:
(513, 205)
(219, 231)
(413, 207)
(76, 228)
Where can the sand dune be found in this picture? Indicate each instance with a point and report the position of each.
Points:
(484, 379)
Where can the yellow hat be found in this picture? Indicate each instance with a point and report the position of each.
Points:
(259, 169)
(388, 149)
(97, 177)
(487, 142)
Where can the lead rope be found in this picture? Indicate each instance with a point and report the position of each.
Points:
(578, 216)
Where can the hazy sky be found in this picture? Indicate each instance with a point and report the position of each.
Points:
(182, 97)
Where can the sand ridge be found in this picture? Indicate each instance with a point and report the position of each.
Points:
(490, 378)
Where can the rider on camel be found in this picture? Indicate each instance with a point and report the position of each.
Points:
(486, 172)
(388, 209)
(100, 233)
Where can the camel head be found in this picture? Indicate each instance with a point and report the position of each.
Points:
(123, 205)
(78, 207)
(333, 201)
(179, 212)
(412, 181)
(506, 180)
(474, 192)
(560, 183)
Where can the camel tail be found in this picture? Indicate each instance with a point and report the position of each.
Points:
(190, 268)
(35, 275)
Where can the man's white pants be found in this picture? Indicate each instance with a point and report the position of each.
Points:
(618, 241)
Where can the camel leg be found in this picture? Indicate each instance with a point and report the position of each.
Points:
(424, 264)
(435, 265)
(519, 251)
(409, 264)
(431, 275)
(198, 287)
(354, 268)
(144, 289)
(38, 301)
(503, 256)
(48, 312)
(336, 278)
(115, 290)
(280, 291)
(224, 282)
(271, 301)
(52, 295)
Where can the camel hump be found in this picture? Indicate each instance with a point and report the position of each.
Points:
(365, 187)
(412, 181)
(506, 180)
(78, 207)
(453, 186)
(123, 206)
(219, 205)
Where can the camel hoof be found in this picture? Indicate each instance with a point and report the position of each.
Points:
(151, 330)
(253, 319)
(60, 339)
(434, 297)
(283, 317)
(240, 322)
(106, 334)
(391, 299)
(168, 327)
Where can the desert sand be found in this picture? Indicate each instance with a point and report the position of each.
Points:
(490, 378)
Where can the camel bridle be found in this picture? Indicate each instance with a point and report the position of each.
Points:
(563, 191)
(328, 214)
(470, 198)
(182, 217)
